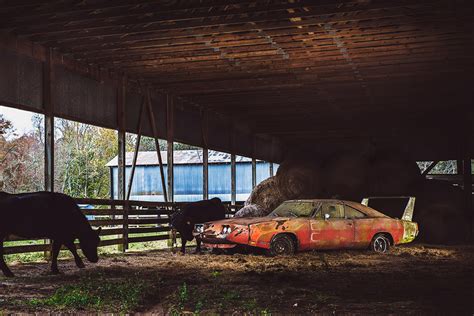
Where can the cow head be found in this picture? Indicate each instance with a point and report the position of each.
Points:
(89, 244)
(179, 222)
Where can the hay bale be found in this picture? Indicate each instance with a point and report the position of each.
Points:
(266, 195)
(250, 210)
(345, 176)
(298, 179)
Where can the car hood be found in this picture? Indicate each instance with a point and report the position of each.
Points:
(248, 220)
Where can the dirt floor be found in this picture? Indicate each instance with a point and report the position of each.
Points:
(413, 279)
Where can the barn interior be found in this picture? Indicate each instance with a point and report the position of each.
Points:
(346, 95)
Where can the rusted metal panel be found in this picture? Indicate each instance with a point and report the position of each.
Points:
(85, 99)
(21, 80)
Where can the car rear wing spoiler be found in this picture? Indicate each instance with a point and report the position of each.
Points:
(407, 213)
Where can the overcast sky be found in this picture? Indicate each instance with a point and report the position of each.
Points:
(21, 119)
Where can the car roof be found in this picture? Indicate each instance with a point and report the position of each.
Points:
(364, 209)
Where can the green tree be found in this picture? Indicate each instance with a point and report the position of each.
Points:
(82, 152)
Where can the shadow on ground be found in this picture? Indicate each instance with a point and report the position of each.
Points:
(413, 279)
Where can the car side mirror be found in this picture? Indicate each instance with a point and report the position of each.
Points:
(326, 216)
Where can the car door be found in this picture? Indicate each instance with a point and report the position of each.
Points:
(363, 226)
(329, 228)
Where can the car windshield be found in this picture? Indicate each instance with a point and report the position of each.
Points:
(293, 209)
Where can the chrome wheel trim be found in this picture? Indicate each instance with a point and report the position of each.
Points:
(380, 244)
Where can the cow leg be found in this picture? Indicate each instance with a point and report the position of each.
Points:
(183, 245)
(54, 256)
(6, 271)
(198, 245)
(72, 248)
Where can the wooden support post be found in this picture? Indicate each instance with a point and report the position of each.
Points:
(254, 172)
(121, 99)
(48, 104)
(170, 137)
(137, 148)
(205, 173)
(233, 174)
(467, 176)
(205, 156)
(430, 167)
(271, 169)
(151, 116)
(126, 212)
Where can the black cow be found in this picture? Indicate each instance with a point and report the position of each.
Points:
(193, 213)
(49, 215)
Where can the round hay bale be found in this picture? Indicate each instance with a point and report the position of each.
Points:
(250, 210)
(266, 195)
(345, 176)
(298, 179)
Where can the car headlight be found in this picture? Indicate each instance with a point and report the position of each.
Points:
(226, 230)
(199, 228)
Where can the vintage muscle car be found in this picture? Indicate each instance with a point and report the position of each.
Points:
(299, 225)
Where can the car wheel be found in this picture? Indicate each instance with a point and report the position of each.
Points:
(380, 243)
(282, 245)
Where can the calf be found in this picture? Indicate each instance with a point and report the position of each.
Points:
(49, 215)
(193, 213)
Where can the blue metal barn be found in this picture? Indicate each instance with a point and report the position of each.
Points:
(188, 175)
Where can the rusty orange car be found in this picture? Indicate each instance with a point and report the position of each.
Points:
(299, 225)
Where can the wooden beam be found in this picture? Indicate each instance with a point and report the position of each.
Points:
(170, 138)
(430, 167)
(121, 91)
(233, 174)
(48, 104)
(137, 148)
(467, 184)
(205, 173)
(151, 116)
(205, 155)
(254, 172)
(271, 169)
(342, 14)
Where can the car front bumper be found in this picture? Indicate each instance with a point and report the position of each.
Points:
(212, 241)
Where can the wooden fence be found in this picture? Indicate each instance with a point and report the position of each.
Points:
(121, 222)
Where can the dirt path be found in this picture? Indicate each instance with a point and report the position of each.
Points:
(410, 279)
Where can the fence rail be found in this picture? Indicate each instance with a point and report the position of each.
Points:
(129, 221)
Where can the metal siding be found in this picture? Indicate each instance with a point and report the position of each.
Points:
(263, 171)
(21, 80)
(188, 181)
(83, 99)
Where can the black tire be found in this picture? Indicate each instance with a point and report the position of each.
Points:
(380, 243)
(282, 245)
(217, 251)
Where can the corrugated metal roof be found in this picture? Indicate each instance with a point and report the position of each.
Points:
(181, 157)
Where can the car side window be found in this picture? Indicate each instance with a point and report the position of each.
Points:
(333, 210)
(353, 213)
